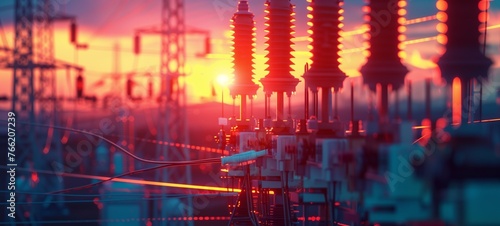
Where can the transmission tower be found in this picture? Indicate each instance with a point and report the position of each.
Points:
(37, 147)
(23, 95)
(49, 147)
(172, 111)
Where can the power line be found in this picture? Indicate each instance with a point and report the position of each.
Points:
(301, 38)
(121, 148)
(131, 195)
(112, 16)
(125, 220)
(412, 41)
(187, 146)
(109, 179)
(108, 19)
(140, 197)
(133, 181)
(364, 29)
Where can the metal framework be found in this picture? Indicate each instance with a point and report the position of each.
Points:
(44, 55)
(48, 147)
(23, 92)
(23, 95)
(36, 147)
(172, 112)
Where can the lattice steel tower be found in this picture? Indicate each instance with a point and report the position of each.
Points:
(37, 146)
(23, 98)
(172, 111)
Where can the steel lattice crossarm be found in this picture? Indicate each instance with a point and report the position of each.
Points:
(58, 64)
(154, 30)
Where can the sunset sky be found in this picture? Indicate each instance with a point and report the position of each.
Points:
(102, 24)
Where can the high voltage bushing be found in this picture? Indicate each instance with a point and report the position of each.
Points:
(280, 18)
(386, 24)
(326, 23)
(243, 49)
(460, 24)
(279, 40)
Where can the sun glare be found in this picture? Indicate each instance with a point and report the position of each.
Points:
(223, 80)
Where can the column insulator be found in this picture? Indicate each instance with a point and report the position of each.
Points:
(243, 27)
(385, 53)
(459, 27)
(326, 23)
(280, 18)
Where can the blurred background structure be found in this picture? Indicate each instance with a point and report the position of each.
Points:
(263, 112)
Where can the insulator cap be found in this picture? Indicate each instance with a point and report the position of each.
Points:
(73, 33)
(137, 44)
(79, 86)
